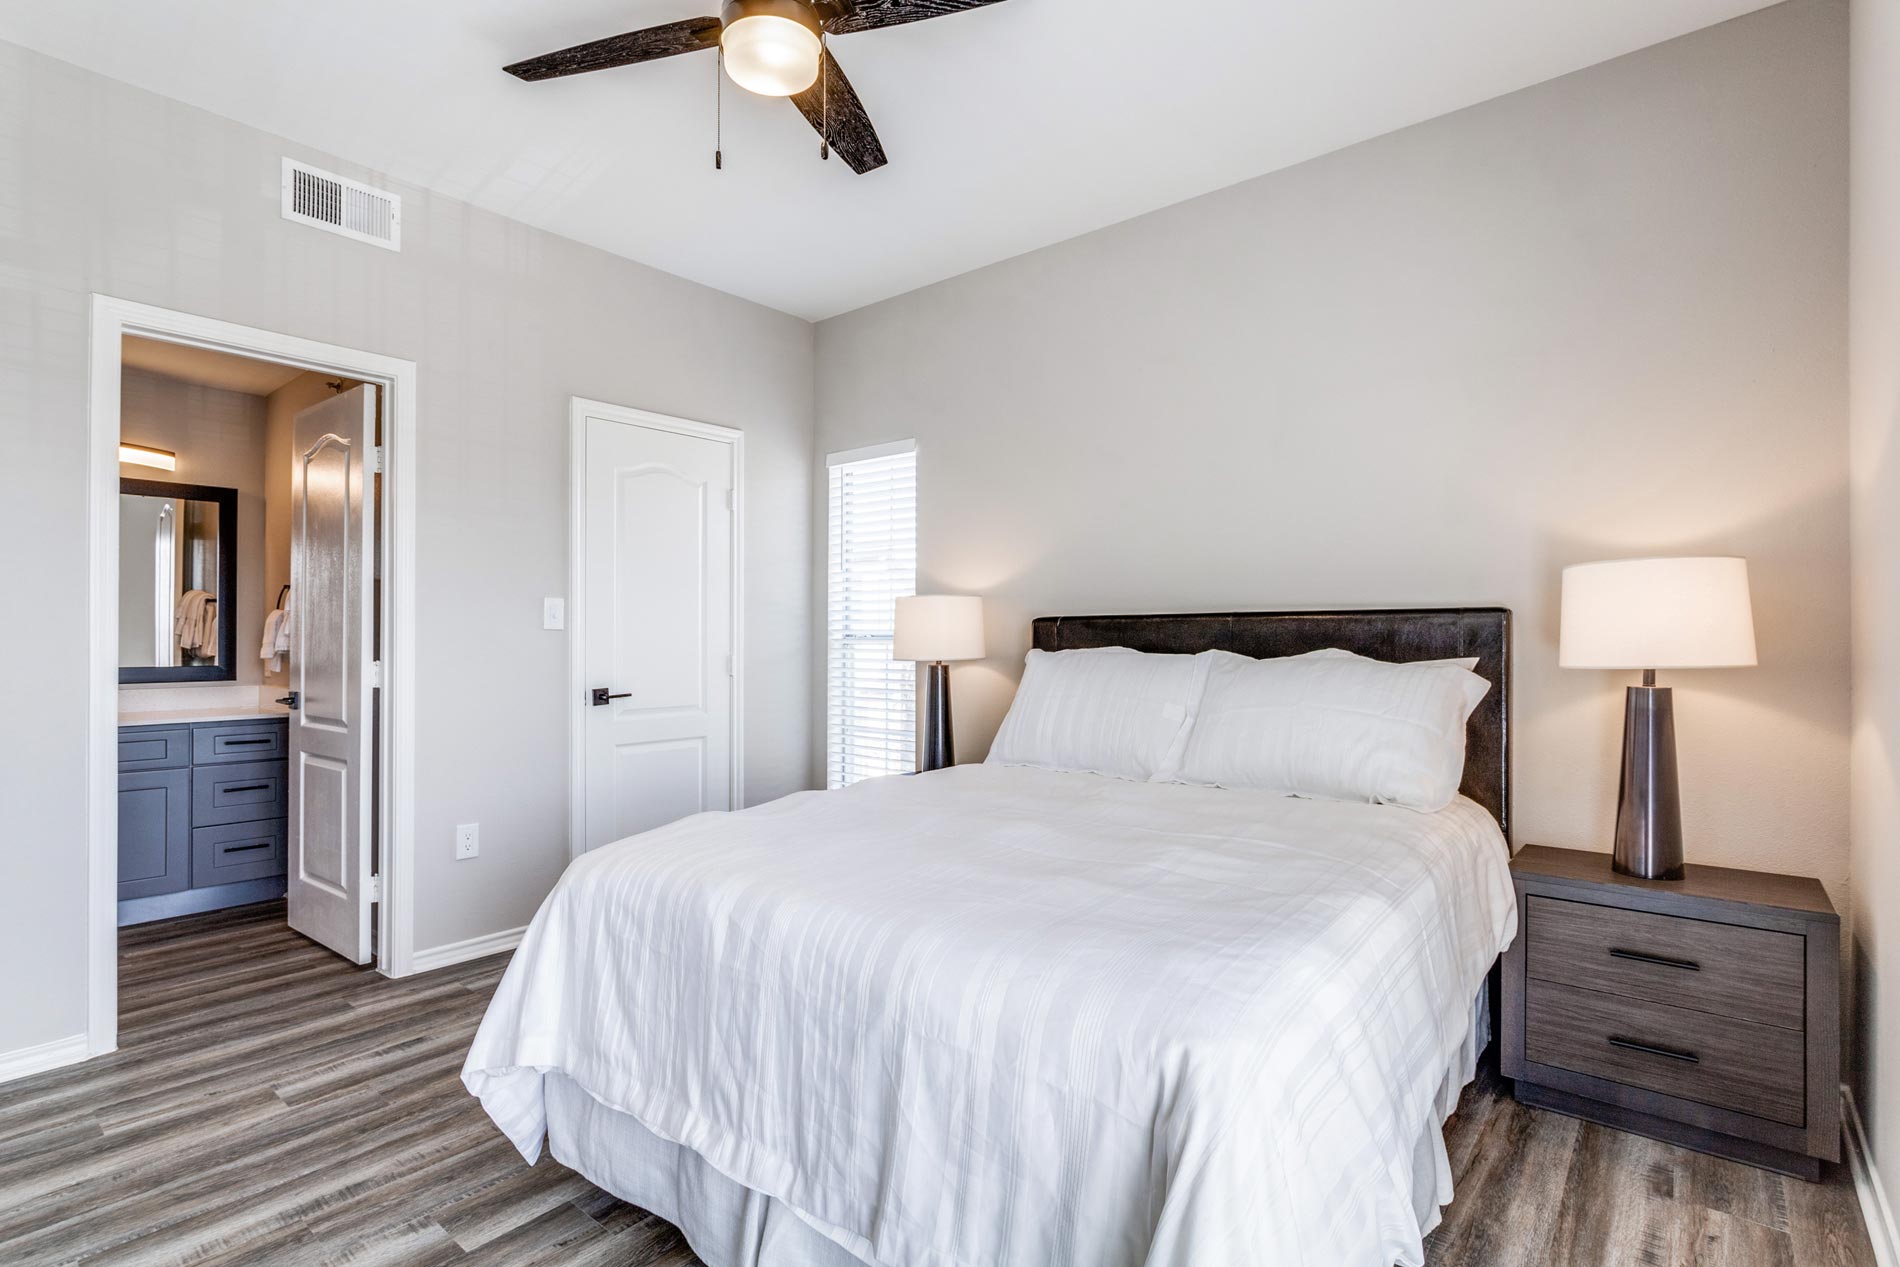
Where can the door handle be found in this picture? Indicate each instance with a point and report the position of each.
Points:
(601, 696)
(290, 700)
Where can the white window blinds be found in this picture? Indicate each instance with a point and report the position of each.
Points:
(870, 699)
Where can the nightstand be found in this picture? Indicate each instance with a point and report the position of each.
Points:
(1703, 1011)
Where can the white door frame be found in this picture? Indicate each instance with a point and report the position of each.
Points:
(112, 319)
(580, 410)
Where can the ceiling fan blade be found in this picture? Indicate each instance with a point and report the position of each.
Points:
(622, 50)
(871, 15)
(850, 132)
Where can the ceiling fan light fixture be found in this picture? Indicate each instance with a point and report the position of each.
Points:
(771, 46)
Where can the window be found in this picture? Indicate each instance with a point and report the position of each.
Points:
(870, 699)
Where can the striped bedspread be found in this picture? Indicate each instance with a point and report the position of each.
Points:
(1002, 1017)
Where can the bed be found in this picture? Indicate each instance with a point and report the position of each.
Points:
(1011, 1017)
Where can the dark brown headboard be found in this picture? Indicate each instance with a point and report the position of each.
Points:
(1441, 633)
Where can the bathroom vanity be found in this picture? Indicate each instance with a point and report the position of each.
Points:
(201, 812)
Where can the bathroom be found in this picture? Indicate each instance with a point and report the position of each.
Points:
(224, 503)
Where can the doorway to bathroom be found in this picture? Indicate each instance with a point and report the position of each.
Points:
(252, 587)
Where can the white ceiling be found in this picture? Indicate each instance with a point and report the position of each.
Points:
(1009, 127)
(205, 367)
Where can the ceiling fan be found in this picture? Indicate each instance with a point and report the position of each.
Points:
(775, 48)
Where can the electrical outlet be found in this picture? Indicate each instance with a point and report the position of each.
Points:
(553, 613)
(468, 840)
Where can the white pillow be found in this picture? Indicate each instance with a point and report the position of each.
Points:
(1340, 727)
(1106, 710)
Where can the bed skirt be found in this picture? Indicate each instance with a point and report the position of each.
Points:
(730, 1225)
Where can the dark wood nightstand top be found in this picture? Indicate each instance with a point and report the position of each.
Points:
(1700, 885)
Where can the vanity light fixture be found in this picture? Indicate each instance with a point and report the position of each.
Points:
(143, 455)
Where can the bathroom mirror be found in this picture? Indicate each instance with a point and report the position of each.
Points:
(177, 582)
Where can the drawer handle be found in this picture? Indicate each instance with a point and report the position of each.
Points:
(247, 787)
(246, 743)
(1650, 1049)
(246, 848)
(1661, 961)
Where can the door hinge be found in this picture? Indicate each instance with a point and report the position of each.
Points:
(376, 888)
(376, 674)
(732, 499)
(376, 459)
(728, 666)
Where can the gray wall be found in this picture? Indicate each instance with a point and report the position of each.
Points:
(219, 439)
(1599, 317)
(107, 188)
(1875, 394)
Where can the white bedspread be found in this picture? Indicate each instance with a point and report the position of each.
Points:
(1002, 1017)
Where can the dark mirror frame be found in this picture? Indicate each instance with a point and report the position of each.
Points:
(225, 670)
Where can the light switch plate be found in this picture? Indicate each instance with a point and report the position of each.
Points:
(468, 840)
(553, 613)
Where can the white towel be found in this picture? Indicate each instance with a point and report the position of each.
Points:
(277, 634)
(268, 649)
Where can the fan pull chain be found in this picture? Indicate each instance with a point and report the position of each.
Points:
(824, 99)
(719, 111)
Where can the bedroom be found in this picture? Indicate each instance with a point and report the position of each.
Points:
(1336, 328)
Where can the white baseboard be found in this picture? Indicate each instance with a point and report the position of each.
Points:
(28, 1061)
(1874, 1208)
(474, 948)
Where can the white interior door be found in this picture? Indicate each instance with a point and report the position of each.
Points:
(657, 630)
(331, 578)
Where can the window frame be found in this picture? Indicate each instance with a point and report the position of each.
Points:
(897, 691)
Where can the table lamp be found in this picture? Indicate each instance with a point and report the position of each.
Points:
(1654, 614)
(935, 629)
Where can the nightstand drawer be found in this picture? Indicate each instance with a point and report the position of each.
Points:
(1754, 1069)
(1751, 974)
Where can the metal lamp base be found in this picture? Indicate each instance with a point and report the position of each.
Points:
(940, 749)
(1648, 805)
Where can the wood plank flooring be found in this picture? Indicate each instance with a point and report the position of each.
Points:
(272, 1105)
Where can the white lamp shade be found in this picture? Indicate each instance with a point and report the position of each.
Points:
(771, 55)
(1657, 614)
(939, 627)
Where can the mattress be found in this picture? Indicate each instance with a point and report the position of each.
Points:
(1004, 1016)
(731, 1225)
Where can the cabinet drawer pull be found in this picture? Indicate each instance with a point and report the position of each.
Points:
(246, 743)
(1650, 1049)
(246, 848)
(246, 787)
(1660, 961)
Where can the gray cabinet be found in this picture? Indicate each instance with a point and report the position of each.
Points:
(201, 816)
(154, 832)
(154, 748)
(237, 793)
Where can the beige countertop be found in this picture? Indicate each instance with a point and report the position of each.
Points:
(212, 712)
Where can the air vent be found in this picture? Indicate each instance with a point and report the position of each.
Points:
(341, 205)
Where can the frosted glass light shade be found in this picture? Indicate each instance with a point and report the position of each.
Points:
(771, 55)
(1689, 613)
(145, 455)
(939, 627)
